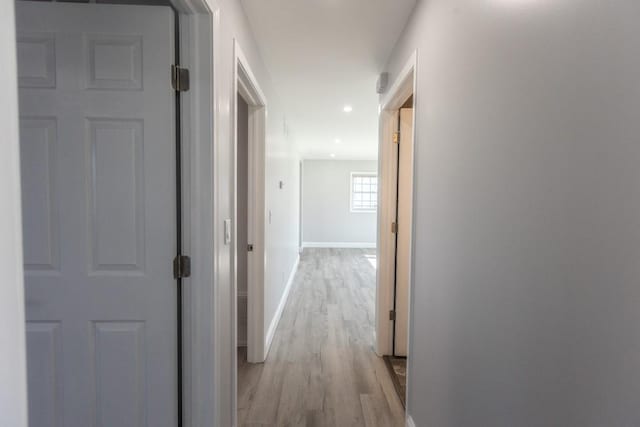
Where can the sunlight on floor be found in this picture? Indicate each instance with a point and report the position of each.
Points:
(372, 260)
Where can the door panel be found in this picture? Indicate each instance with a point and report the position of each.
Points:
(98, 178)
(43, 359)
(119, 373)
(38, 153)
(403, 249)
(116, 196)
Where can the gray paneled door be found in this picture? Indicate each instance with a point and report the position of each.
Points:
(98, 176)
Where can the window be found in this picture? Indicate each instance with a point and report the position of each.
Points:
(364, 192)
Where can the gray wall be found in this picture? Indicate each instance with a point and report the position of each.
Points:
(326, 212)
(526, 292)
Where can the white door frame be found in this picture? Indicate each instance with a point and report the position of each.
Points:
(246, 84)
(199, 39)
(403, 87)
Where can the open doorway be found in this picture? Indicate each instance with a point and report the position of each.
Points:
(396, 362)
(251, 340)
(395, 224)
(404, 185)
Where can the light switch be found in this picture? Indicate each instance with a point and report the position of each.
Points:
(227, 231)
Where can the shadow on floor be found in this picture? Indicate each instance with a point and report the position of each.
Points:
(397, 367)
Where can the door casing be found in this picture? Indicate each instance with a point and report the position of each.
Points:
(403, 87)
(199, 39)
(247, 86)
(404, 192)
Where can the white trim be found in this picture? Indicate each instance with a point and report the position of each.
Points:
(300, 205)
(248, 87)
(246, 84)
(403, 87)
(339, 245)
(199, 36)
(410, 422)
(273, 326)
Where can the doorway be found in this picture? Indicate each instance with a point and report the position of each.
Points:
(396, 362)
(404, 185)
(395, 227)
(249, 217)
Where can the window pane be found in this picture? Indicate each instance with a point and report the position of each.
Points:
(364, 189)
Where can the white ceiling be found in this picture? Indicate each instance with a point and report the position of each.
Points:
(323, 55)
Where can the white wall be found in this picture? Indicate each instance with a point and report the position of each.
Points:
(327, 219)
(527, 216)
(282, 164)
(13, 383)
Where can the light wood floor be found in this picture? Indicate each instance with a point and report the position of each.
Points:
(322, 370)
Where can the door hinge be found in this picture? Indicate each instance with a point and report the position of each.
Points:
(181, 266)
(392, 315)
(250, 247)
(179, 78)
(396, 137)
(394, 227)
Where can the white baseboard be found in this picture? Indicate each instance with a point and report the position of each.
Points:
(283, 302)
(410, 422)
(339, 245)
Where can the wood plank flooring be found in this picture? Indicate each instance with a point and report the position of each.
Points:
(322, 370)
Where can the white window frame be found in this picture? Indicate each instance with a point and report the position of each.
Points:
(359, 174)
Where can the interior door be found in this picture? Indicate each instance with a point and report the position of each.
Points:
(98, 176)
(403, 236)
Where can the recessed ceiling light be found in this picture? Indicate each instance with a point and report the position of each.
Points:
(332, 155)
(338, 141)
(347, 108)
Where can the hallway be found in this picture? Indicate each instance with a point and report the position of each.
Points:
(322, 370)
